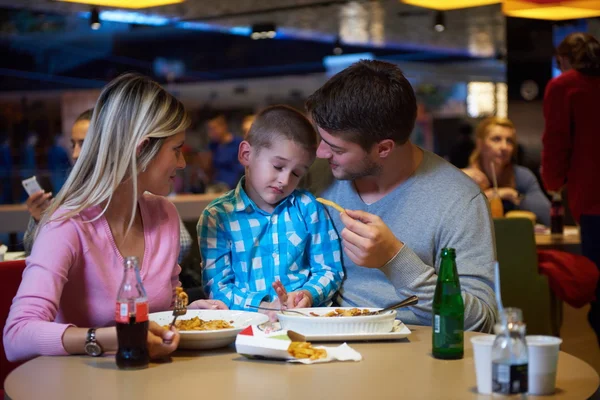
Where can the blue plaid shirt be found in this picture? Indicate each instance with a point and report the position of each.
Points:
(244, 249)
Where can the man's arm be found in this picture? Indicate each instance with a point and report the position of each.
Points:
(369, 242)
(556, 139)
(467, 229)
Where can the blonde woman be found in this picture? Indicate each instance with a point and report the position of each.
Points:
(100, 216)
(496, 143)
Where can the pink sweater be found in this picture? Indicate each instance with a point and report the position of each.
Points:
(74, 272)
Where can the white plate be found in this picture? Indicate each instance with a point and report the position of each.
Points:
(211, 339)
(399, 331)
(314, 325)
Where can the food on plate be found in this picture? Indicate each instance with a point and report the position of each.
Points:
(197, 324)
(182, 295)
(305, 350)
(330, 203)
(340, 312)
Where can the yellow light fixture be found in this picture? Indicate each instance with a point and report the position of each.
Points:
(554, 10)
(449, 4)
(126, 3)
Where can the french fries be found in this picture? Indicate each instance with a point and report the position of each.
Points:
(305, 350)
(330, 203)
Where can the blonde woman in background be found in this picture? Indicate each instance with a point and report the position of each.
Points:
(518, 188)
(101, 215)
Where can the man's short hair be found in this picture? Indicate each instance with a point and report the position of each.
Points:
(366, 103)
(285, 122)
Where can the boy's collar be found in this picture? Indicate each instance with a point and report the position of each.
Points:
(243, 202)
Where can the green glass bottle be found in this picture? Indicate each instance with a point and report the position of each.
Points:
(448, 311)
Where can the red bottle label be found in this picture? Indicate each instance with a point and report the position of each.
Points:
(122, 312)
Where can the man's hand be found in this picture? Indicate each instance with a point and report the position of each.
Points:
(367, 240)
(37, 204)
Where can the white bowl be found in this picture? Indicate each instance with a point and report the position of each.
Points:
(215, 338)
(311, 325)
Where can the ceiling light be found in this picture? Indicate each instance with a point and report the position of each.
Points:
(449, 4)
(554, 10)
(439, 22)
(337, 47)
(126, 3)
(263, 31)
(95, 19)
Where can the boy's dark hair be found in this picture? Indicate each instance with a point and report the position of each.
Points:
(85, 116)
(366, 103)
(281, 121)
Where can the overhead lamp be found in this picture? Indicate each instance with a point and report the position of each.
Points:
(95, 19)
(126, 3)
(265, 30)
(449, 4)
(554, 10)
(439, 21)
(337, 47)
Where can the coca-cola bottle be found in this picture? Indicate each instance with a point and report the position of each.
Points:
(131, 316)
(557, 215)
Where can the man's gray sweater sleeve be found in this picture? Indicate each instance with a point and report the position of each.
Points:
(467, 229)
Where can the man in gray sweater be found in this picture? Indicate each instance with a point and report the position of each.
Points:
(403, 204)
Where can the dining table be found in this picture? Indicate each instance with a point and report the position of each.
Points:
(397, 369)
(569, 240)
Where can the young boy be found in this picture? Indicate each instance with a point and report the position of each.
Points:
(266, 236)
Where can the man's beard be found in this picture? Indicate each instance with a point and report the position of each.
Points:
(366, 168)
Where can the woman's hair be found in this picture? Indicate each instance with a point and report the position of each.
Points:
(129, 124)
(582, 50)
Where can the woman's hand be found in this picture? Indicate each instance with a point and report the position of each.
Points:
(478, 176)
(37, 204)
(161, 341)
(208, 305)
(509, 194)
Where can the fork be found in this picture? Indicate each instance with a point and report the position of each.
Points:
(283, 311)
(179, 309)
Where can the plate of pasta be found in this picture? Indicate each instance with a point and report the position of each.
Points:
(209, 329)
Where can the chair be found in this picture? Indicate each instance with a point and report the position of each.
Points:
(521, 284)
(10, 279)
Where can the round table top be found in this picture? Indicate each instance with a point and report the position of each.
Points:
(390, 369)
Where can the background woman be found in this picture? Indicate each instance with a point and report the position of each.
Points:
(571, 141)
(517, 186)
(100, 216)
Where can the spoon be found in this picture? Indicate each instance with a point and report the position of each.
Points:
(412, 300)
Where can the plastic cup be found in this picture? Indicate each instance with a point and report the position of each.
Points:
(482, 352)
(543, 361)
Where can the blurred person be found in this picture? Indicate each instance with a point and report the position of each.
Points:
(571, 140)
(225, 167)
(266, 243)
(519, 189)
(247, 123)
(58, 163)
(38, 202)
(111, 207)
(403, 204)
